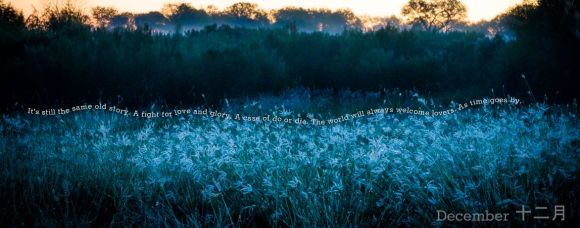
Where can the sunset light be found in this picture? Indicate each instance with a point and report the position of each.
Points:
(477, 9)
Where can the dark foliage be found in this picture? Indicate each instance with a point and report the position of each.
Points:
(64, 61)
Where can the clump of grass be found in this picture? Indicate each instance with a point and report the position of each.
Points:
(99, 168)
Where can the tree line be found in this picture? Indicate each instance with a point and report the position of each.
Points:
(182, 17)
(61, 56)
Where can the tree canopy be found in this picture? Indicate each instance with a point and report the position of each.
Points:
(435, 15)
(103, 15)
(10, 18)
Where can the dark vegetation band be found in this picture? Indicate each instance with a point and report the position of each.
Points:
(60, 56)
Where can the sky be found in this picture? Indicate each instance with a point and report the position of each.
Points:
(477, 9)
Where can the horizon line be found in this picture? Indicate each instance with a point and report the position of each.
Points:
(27, 7)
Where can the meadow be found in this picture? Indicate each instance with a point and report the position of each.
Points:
(100, 168)
(410, 158)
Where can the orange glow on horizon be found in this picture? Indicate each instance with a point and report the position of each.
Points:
(477, 9)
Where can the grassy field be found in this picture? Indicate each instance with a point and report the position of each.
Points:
(102, 169)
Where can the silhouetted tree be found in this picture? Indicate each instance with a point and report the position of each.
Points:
(247, 13)
(10, 19)
(435, 15)
(183, 14)
(103, 15)
(34, 21)
(67, 19)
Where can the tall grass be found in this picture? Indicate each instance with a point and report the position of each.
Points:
(103, 169)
